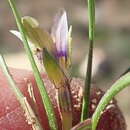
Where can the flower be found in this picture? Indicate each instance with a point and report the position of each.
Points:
(59, 34)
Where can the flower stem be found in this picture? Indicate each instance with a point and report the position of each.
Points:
(86, 92)
(29, 113)
(45, 98)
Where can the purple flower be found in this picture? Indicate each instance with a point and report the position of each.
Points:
(59, 34)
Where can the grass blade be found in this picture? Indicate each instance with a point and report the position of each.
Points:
(86, 92)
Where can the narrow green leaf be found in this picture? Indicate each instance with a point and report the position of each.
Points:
(45, 98)
(118, 86)
(86, 91)
(91, 15)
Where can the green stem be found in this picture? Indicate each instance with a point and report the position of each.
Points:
(45, 98)
(119, 85)
(86, 92)
(20, 97)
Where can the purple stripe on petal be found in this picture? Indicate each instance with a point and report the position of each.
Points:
(61, 54)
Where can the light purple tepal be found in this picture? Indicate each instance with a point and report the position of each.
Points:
(59, 33)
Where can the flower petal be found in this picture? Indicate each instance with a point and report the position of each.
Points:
(69, 47)
(36, 35)
(59, 33)
(17, 34)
